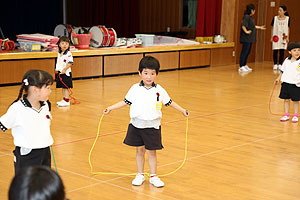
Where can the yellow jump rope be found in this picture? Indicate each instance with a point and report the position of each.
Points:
(133, 174)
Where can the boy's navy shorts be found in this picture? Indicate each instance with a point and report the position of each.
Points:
(289, 91)
(148, 137)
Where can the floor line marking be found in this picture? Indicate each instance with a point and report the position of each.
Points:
(100, 182)
(169, 122)
(191, 158)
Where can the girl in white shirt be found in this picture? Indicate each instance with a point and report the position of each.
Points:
(290, 81)
(29, 118)
(63, 70)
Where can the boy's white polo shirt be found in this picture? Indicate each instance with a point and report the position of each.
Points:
(30, 127)
(144, 110)
(63, 60)
(291, 71)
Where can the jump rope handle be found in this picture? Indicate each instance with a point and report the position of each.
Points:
(187, 113)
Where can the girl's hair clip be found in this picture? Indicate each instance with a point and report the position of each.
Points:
(25, 81)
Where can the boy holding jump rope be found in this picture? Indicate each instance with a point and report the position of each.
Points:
(144, 131)
(290, 78)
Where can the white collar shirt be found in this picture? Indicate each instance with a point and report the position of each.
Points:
(145, 104)
(30, 127)
(63, 60)
(290, 71)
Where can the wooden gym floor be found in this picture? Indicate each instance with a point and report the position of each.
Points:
(237, 150)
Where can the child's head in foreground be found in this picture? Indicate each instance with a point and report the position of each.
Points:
(37, 183)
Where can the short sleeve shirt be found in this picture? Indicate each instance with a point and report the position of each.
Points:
(63, 60)
(249, 23)
(30, 127)
(145, 103)
(290, 71)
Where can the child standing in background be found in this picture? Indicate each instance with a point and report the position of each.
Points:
(29, 118)
(290, 78)
(280, 35)
(144, 131)
(63, 70)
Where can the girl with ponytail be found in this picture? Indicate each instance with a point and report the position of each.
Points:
(29, 119)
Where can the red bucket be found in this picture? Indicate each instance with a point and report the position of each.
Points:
(82, 41)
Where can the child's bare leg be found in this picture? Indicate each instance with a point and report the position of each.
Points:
(65, 93)
(140, 158)
(286, 105)
(296, 107)
(152, 161)
(154, 180)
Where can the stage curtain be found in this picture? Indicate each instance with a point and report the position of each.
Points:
(122, 15)
(33, 16)
(208, 19)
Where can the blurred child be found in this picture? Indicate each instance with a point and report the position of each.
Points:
(39, 183)
(290, 78)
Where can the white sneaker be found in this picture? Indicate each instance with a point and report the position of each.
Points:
(295, 119)
(248, 68)
(63, 103)
(156, 182)
(284, 118)
(59, 102)
(275, 67)
(138, 180)
(279, 67)
(243, 69)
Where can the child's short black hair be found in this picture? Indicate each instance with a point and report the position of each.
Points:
(36, 182)
(149, 62)
(63, 39)
(293, 45)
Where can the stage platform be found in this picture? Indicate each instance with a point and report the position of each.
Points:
(103, 62)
